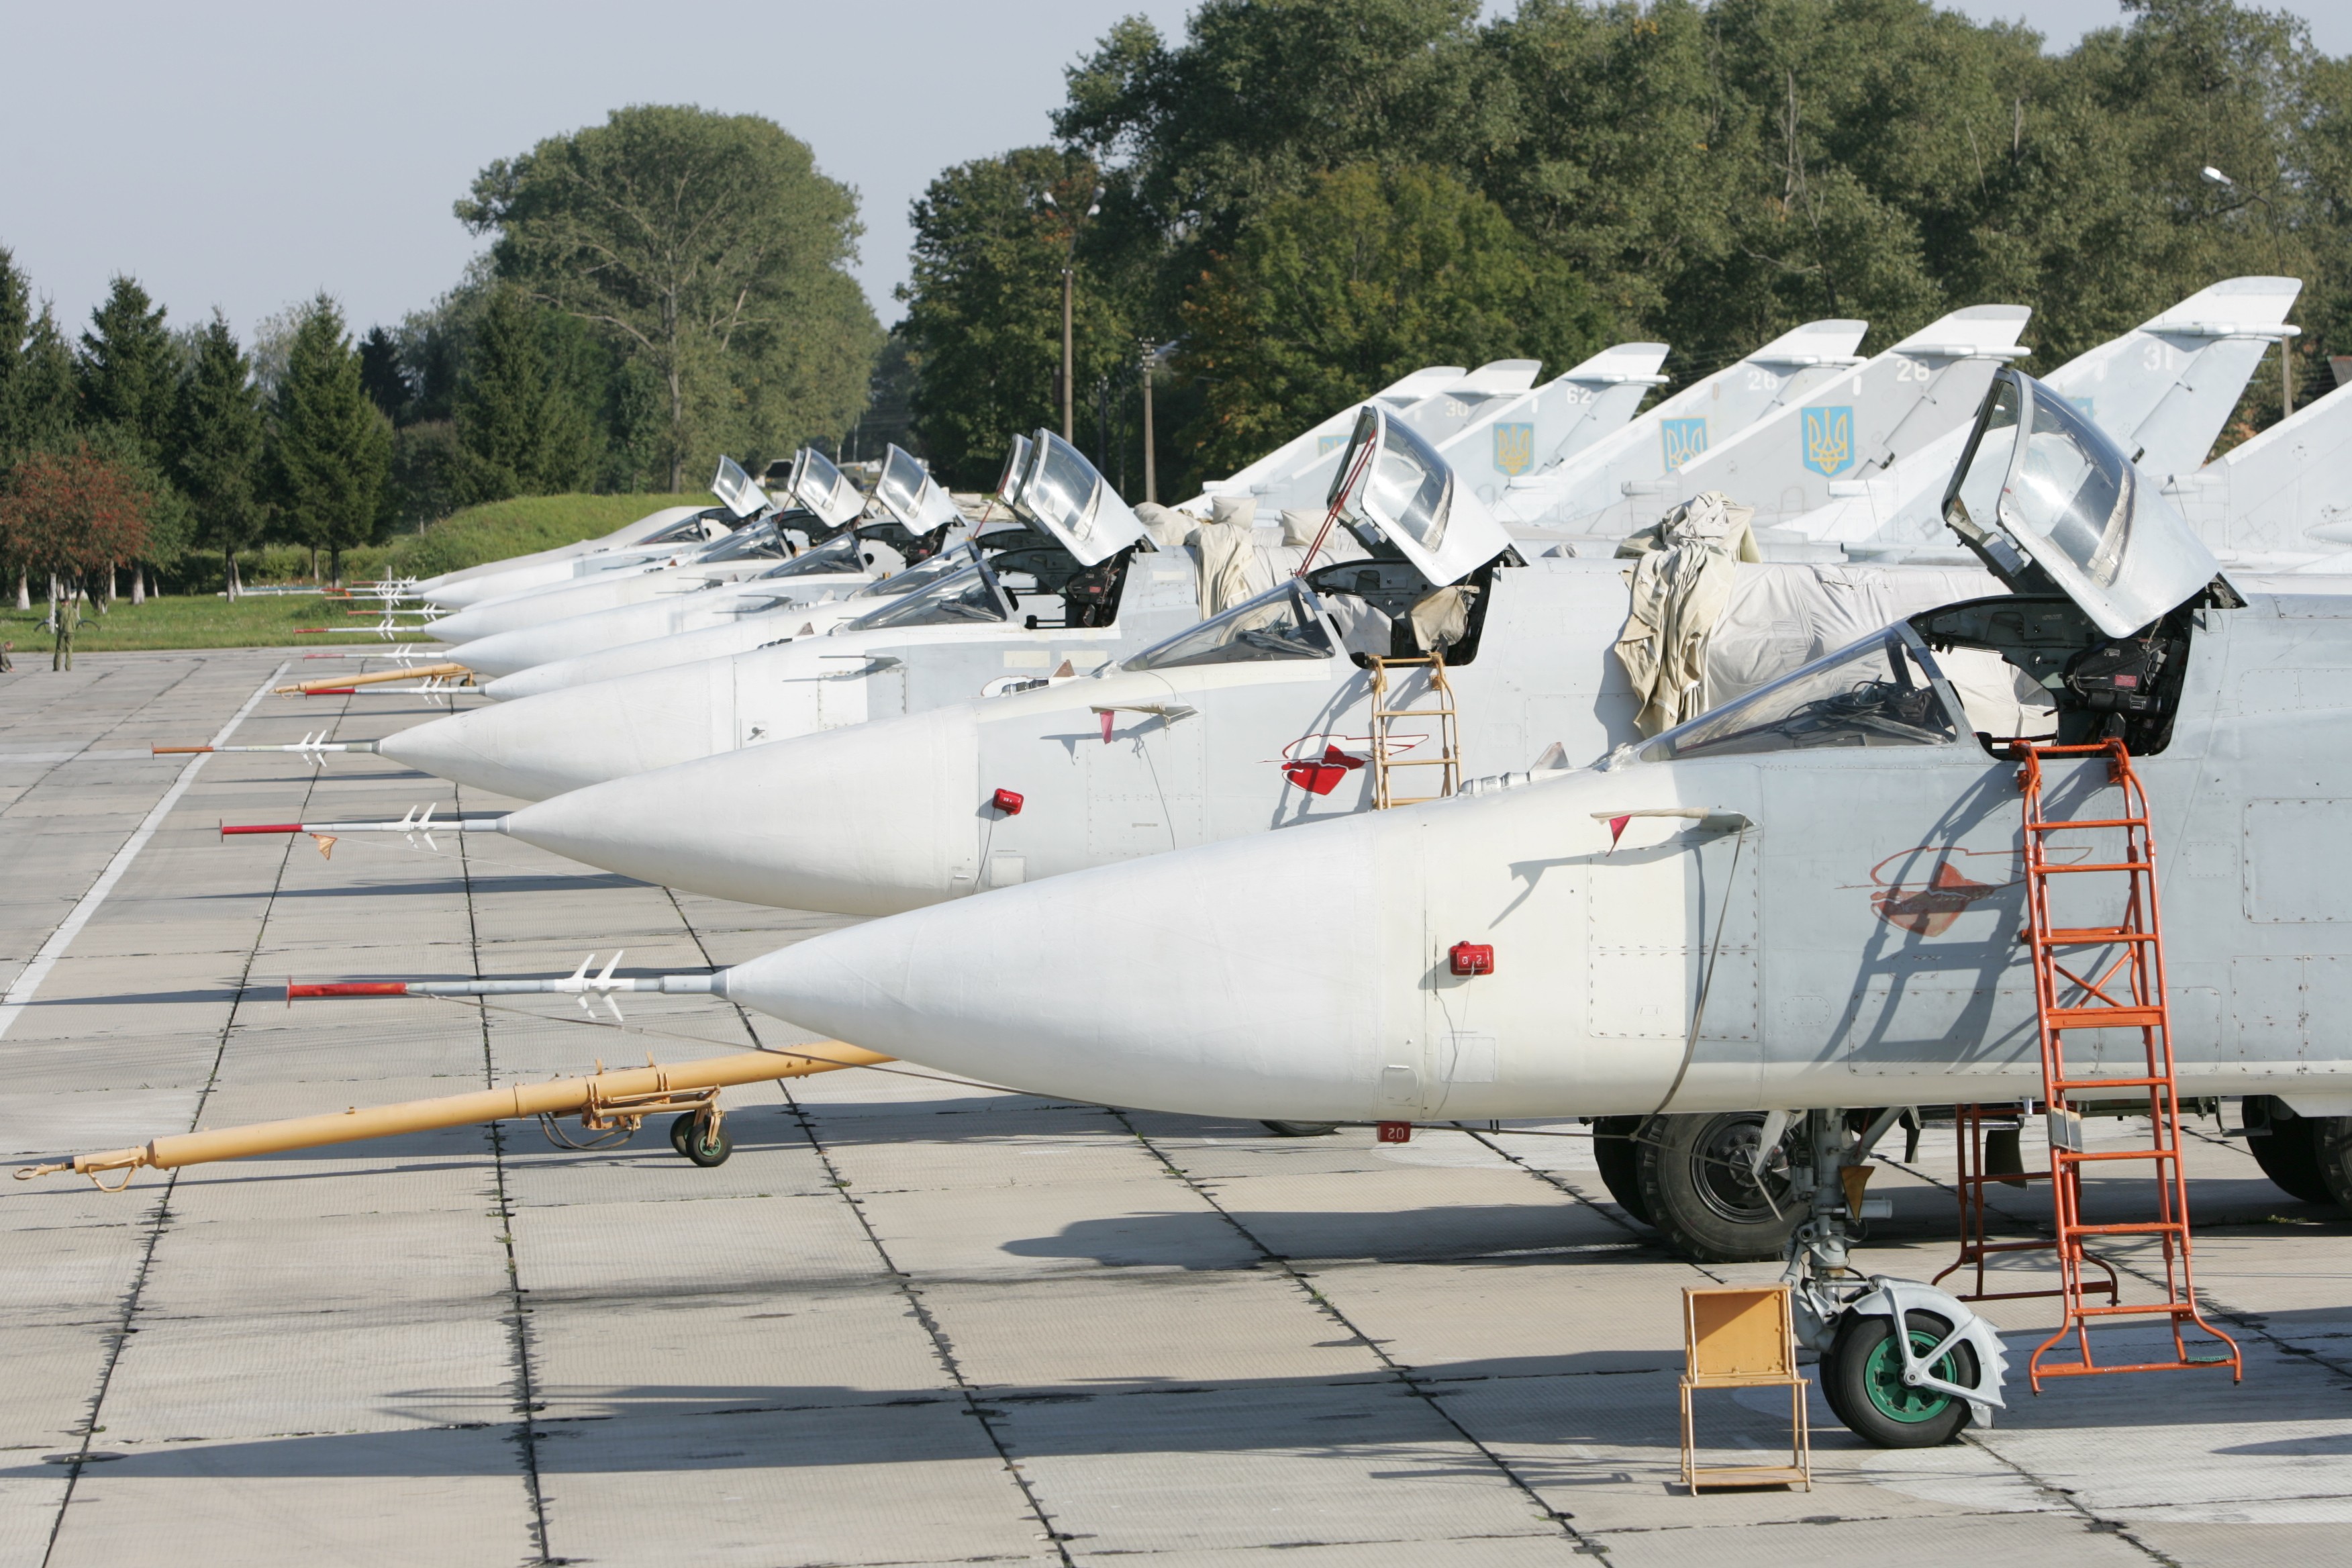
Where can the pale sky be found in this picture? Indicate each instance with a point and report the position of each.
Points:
(246, 154)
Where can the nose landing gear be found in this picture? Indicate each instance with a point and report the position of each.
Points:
(1903, 1365)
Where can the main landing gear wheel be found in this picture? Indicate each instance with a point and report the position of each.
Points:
(705, 1146)
(2290, 1155)
(1616, 1151)
(1862, 1379)
(1299, 1129)
(2331, 1142)
(1697, 1184)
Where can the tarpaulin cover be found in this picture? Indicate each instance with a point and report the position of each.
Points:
(1681, 583)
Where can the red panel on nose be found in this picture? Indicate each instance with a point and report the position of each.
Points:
(1471, 958)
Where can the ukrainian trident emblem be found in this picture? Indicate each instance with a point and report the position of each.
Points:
(1684, 438)
(1515, 449)
(1828, 440)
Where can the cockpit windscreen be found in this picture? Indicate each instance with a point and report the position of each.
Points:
(1879, 691)
(1286, 622)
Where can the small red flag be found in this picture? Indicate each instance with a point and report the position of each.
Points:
(1107, 717)
(1617, 830)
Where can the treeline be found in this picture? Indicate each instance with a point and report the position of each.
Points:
(135, 448)
(660, 289)
(1307, 197)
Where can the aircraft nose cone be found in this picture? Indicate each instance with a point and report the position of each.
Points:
(502, 653)
(1232, 980)
(866, 820)
(544, 745)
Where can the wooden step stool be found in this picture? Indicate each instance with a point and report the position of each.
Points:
(1743, 1336)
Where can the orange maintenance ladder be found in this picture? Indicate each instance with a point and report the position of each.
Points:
(2119, 986)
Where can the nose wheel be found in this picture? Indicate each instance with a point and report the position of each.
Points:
(701, 1137)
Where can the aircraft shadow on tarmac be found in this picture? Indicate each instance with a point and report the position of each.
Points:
(1622, 1400)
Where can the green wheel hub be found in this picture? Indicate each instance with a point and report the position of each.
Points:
(1897, 1399)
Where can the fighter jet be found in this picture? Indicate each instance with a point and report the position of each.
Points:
(1495, 420)
(2283, 497)
(2162, 390)
(1636, 459)
(1808, 900)
(687, 529)
(1586, 401)
(1214, 736)
(1873, 419)
(758, 541)
(917, 520)
(1090, 597)
(1366, 679)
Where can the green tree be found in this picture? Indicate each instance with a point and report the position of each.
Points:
(1333, 293)
(380, 374)
(329, 449)
(129, 371)
(984, 305)
(523, 427)
(709, 249)
(217, 447)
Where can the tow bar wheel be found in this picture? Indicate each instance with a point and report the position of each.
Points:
(705, 1145)
(1862, 1379)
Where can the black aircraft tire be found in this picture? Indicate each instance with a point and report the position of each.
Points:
(2331, 1145)
(1866, 1371)
(1300, 1129)
(709, 1146)
(1620, 1159)
(1695, 1188)
(680, 1130)
(2289, 1154)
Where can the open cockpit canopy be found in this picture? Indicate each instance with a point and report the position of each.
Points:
(708, 524)
(840, 554)
(1284, 622)
(1062, 493)
(750, 542)
(734, 487)
(2051, 503)
(825, 489)
(969, 594)
(1394, 489)
(917, 577)
(1016, 475)
(909, 493)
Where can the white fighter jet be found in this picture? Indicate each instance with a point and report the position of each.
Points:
(1315, 700)
(758, 541)
(835, 557)
(2283, 497)
(1808, 901)
(1875, 419)
(1075, 596)
(2163, 391)
(1589, 400)
(1220, 734)
(687, 529)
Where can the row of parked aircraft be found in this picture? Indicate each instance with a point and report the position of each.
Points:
(1695, 723)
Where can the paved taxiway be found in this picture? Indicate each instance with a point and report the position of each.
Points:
(913, 1321)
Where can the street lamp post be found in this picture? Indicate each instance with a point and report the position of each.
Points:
(1152, 355)
(1069, 294)
(2213, 176)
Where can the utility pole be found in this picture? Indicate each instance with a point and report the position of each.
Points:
(1150, 465)
(1069, 287)
(1069, 294)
